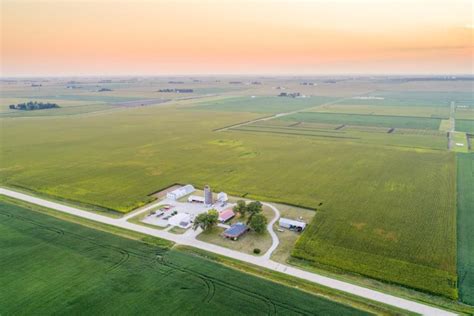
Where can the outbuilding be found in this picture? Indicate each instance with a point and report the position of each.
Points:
(222, 197)
(182, 220)
(226, 215)
(292, 224)
(180, 192)
(195, 199)
(235, 231)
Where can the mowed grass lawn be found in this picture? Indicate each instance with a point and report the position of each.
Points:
(365, 120)
(382, 211)
(54, 267)
(465, 231)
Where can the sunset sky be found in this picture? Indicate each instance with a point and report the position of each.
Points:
(105, 37)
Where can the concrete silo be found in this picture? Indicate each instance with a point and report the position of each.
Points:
(207, 195)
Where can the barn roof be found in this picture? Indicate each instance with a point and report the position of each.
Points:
(236, 230)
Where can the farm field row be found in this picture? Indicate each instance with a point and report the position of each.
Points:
(412, 98)
(465, 226)
(262, 104)
(357, 134)
(357, 238)
(128, 276)
(465, 126)
(372, 109)
(465, 113)
(365, 120)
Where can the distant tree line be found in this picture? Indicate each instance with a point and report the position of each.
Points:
(33, 105)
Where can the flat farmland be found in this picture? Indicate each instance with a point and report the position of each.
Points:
(263, 104)
(412, 242)
(365, 120)
(465, 220)
(465, 113)
(372, 109)
(126, 276)
(411, 98)
(465, 126)
(391, 196)
(353, 134)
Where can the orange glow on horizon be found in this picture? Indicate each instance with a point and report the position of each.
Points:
(161, 37)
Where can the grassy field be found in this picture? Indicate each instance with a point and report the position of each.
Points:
(465, 220)
(465, 126)
(365, 120)
(43, 261)
(263, 104)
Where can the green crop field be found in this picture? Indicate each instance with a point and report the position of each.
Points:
(408, 138)
(412, 98)
(365, 120)
(465, 126)
(373, 109)
(465, 200)
(51, 266)
(386, 202)
(361, 235)
(263, 104)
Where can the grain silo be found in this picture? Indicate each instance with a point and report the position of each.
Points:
(207, 195)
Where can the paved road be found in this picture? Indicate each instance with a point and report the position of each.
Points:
(452, 126)
(259, 261)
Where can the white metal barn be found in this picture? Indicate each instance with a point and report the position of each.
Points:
(291, 224)
(179, 193)
(195, 199)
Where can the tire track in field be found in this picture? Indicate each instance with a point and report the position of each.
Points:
(59, 232)
(210, 282)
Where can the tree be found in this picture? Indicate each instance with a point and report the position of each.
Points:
(253, 208)
(241, 208)
(206, 220)
(258, 223)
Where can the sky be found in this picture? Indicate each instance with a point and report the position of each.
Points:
(145, 37)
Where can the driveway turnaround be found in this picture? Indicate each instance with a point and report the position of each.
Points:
(262, 261)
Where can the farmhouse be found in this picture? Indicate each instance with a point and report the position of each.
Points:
(292, 224)
(226, 215)
(182, 220)
(179, 193)
(235, 231)
(195, 199)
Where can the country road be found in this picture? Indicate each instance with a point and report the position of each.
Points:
(262, 261)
